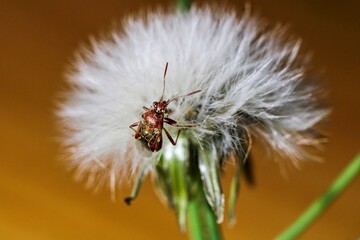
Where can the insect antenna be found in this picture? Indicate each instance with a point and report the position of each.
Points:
(163, 91)
(182, 96)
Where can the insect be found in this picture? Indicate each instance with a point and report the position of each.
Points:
(150, 127)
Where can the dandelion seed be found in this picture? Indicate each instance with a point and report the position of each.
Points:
(251, 76)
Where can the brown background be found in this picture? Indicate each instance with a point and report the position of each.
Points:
(38, 198)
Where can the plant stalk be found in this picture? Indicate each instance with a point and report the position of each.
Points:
(202, 221)
(184, 5)
(318, 207)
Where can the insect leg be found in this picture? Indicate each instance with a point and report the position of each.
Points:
(170, 138)
(169, 121)
(134, 125)
(136, 189)
(137, 133)
(174, 123)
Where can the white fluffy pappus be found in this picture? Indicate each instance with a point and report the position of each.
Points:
(250, 74)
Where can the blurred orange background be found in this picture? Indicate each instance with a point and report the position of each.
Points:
(40, 200)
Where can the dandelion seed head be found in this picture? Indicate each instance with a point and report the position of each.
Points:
(251, 77)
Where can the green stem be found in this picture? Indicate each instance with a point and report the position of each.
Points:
(201, 218)
(202, 223)
(321, 203)
(179, 179)
(184, 5)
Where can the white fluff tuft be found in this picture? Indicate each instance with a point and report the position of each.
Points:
(251, 77)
